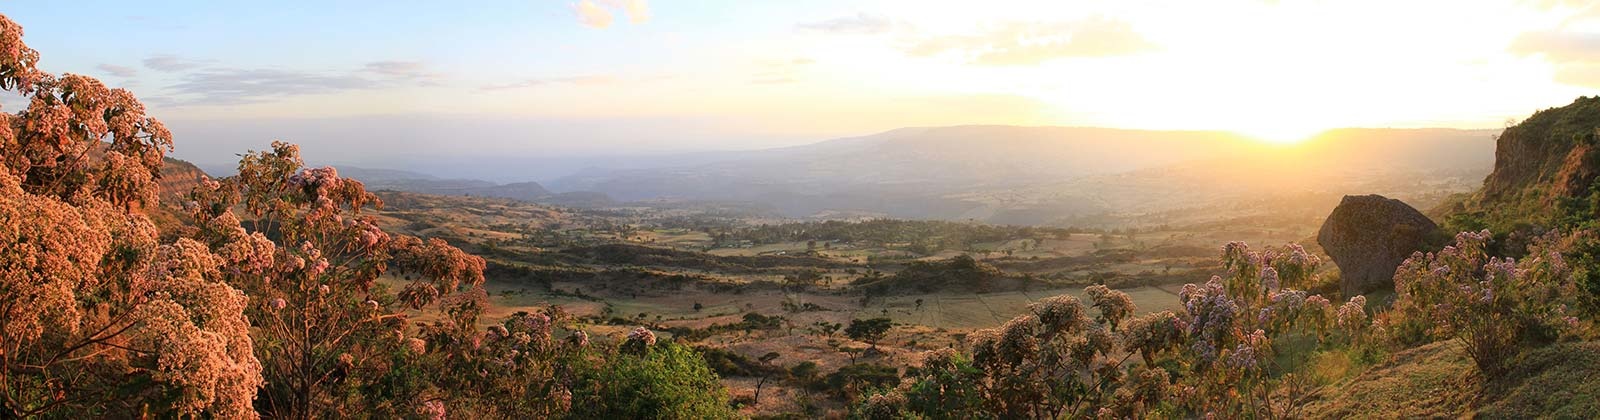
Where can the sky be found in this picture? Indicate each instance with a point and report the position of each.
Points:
(392, 81)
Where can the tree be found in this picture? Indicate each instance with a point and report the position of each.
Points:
(666, 381)
(766, 372)
(325, 328)
(98, 318)
(869, 330)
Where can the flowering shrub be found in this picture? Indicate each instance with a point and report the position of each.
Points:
(314, 283)
(1231, 323)
(1495, 306)
(639, 340)
(1114, 305)
(1054, 361)
(1214, 358)
(90, 302)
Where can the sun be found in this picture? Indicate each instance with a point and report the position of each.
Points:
(1285, 134)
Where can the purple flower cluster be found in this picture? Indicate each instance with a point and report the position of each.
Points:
(1211, 315)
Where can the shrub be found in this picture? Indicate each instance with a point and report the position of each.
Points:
(664, 380)
(1495, 306)
(98, 318)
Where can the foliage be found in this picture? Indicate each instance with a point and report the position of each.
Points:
(99, 319)
(660, 380)
(860, 378)
(1495, 306)
(959, 273)
(1216, 357)
(925, 236)
(323, 330)
(869, 330)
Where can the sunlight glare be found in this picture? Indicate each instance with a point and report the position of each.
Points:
(1281, 135)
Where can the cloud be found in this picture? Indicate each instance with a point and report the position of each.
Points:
(414, 71)
(238, 86)
(598, 13)
(118, 71)
(1584, 74)
(860, 24)
(638, 11)
(245, 86)
(1575, 55)
(1558, 47)
(591, 14)
(586, 80)
(169, 63)
(1031, 43)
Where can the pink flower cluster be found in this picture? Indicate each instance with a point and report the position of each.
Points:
(642, 335)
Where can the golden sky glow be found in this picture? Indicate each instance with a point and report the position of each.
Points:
(743, 74)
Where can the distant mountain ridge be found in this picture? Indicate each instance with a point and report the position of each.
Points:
(1042, 175)
(407, 181)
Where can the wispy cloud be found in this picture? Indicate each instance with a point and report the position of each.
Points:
(861, 23)
(412, 71)
(1575, 55)
(638, 11)
(585, 80)
(598, 13)
(170, 63)
(199, 84)
(245, 86)
(116, 70)
(1031, 43)
(1558, 46)
(591, 14)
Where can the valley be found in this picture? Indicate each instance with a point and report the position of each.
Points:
(704, 274)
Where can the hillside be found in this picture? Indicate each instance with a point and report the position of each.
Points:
(1438, 381)
(1542, 165)
(178, 177)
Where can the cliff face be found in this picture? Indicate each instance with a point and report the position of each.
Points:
(177, 178)
(1540, 163)
(1549, 155)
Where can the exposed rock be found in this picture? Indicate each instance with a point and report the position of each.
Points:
(177, 178)
(1550, 147)
(1368, 236)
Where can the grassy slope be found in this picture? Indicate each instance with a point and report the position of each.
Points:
(1439, 380)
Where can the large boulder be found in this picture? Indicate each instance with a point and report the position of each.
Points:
(1368, 236)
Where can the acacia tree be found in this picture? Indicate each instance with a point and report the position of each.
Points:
(869, 330)
(99, 319)
(324, 327)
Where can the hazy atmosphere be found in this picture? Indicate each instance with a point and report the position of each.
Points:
(828, 209)
(356, 83)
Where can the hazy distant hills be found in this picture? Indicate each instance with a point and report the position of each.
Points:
(1069, 176)
(407, 181)
(1035, 175)
(921, 160)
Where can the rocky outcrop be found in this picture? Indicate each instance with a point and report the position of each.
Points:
(1368, 236)
(1553, 147)
(178, 177)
